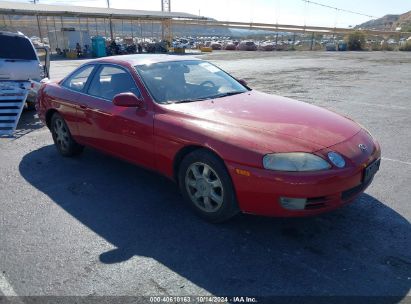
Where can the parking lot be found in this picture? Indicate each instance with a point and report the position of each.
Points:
(95, 225)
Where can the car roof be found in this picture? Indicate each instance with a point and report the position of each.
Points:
(141, 59)
(18, 34)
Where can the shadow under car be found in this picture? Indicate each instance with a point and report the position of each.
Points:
(363, 249)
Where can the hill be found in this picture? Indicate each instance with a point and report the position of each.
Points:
(389, 23)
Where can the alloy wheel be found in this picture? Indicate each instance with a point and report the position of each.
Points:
(62, 134)
(204, 187)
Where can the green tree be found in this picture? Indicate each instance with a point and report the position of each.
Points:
(355, 41)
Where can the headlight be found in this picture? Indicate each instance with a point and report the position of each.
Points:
(297, 161)
(336, 159)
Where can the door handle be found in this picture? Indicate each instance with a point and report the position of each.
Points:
(83, 106)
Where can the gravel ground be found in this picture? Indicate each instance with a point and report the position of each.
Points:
(95, 225)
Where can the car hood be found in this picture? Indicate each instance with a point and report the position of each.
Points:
(312, 127)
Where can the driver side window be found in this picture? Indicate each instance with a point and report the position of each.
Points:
(110, 81)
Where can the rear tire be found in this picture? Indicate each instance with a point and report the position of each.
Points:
(207, 187)
(62, 138)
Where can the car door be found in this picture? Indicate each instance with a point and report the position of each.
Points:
(123, 131)
(68, 100)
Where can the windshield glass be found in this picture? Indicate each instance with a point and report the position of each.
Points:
(185, 81)
(16, 48)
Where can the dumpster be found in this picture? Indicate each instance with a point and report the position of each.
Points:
(98, 46)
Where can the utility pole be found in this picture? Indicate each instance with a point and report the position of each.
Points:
(110, 23)
(166, 33)
(165, 5)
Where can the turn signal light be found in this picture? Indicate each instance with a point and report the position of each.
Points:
(242, 172)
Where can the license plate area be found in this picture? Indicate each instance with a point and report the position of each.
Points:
(370, 170)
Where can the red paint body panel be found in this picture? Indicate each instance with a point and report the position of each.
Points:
(240, 129)
(275, 115)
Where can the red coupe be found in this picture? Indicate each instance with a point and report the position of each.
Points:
(229, 148)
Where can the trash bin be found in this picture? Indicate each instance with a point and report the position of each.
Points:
(98, 46)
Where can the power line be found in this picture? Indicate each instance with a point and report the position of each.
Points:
(338, 9)
(58, 1)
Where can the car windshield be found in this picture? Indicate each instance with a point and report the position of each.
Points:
(16, 48)
(187, 81)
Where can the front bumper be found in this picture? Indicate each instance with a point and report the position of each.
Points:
(259, 192)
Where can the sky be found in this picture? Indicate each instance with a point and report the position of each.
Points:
(296, 12)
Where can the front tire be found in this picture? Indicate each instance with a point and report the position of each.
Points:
(62, 138)
(207, 186)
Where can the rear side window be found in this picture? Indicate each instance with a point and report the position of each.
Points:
(16, 48)
(78, 79)
(110, 81)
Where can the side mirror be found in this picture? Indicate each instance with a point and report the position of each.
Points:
(127, 100)
(243, 82)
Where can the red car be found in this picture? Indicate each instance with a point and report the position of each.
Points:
(229, 148)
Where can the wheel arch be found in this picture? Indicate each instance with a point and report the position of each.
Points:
(183, 152)
(49, 115)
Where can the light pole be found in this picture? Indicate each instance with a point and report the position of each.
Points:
(166, 23)
(110, 22)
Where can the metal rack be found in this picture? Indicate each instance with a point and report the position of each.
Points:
(13, 95)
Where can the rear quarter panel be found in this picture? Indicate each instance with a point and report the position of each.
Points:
(54, 97)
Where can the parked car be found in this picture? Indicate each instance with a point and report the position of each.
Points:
(216, 46)
(19, 61)
(228, 147)
(266, 46)
(392, 42)
(331, 47)
(182, 44)
(230, 46)
(247, 46)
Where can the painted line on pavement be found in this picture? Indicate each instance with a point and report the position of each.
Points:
(5, 287)
(396, 160)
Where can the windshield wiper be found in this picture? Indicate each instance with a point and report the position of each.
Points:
(188, 100)
(204, 98)
(227, 94)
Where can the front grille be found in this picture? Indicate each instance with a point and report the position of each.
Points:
(316, 203)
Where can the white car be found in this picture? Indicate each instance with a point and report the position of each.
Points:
(19, 61)
(182, 44)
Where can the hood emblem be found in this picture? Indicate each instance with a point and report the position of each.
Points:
(362, 147)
